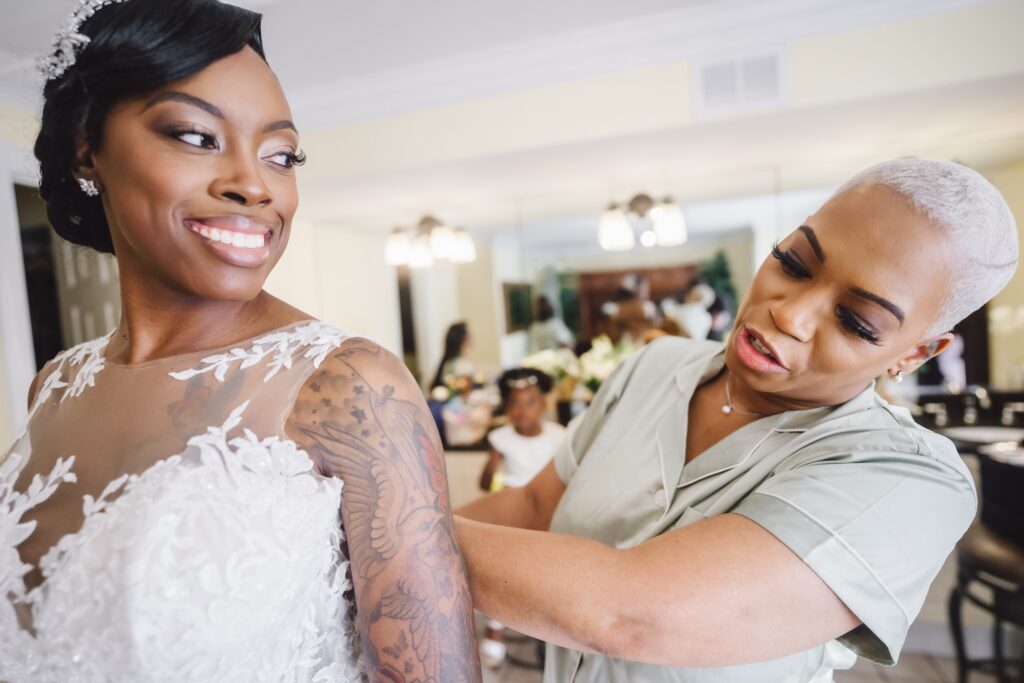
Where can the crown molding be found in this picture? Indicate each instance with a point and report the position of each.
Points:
(702, 30)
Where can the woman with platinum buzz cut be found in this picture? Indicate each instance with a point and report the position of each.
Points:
(754, 511)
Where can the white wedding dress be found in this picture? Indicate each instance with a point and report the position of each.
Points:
(156, 524)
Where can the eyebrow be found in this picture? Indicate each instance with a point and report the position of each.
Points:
(884, 303)
(212, 109)
(283, 124)
(813, 239)
(174, 96)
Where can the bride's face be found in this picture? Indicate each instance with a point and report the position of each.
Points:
(198, 180)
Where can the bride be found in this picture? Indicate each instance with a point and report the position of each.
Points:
(222, 488)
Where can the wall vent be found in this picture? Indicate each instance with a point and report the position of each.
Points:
(734, 85)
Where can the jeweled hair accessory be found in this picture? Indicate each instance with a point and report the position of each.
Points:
(69, 40)
(523, 382)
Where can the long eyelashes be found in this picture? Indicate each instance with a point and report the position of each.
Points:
(203, 140)
(794, 268)
(296, 158)
(853, 323)
(791, 265)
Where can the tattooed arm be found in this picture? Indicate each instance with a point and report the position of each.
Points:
(362, 418)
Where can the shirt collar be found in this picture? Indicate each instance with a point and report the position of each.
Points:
(708, 362)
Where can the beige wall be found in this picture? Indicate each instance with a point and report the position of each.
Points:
(7, 419)
(338, 274)
(1006, 312)
(968, 44)
(17, 126)
(477, 305)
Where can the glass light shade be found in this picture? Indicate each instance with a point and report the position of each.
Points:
(463, 249)
(614, 233)
(442, 242)
(648, 238)
(669, 224)
(398, 248)
(421, 256)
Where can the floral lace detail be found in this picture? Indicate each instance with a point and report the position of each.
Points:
(316, 337)
(13, 506)
(226, 556)
(90, 356)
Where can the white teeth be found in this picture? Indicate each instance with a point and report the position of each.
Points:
(760, 347)
(235, 239)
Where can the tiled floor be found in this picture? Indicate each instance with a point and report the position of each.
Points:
(911, 669)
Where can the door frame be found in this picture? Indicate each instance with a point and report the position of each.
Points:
(16, 351)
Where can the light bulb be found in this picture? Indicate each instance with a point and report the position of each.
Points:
(398, 248)
(669, 224)
(614, 233)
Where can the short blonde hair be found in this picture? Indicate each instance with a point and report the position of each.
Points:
(970, 212)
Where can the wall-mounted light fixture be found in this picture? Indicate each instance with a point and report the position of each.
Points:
(661, 222)
(430, 241)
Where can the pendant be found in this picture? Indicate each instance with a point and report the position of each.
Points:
(726, 409)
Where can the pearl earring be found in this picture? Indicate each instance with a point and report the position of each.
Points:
(899, 376)
(88, 187)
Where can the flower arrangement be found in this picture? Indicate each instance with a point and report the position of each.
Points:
(590, 369)
(559, 364)
(597, 364)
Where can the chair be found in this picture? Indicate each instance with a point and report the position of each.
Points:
(987, 559)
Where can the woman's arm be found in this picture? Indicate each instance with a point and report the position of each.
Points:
(362, 418)
(525, 507)
(487, 476)
(719, 592)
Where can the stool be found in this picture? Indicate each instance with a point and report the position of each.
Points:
(986, 559)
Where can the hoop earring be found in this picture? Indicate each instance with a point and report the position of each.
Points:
(88, 187)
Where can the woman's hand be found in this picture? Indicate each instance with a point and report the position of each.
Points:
(362, 418)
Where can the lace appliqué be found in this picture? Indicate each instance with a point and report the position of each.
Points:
(89, 355)
(13, 506)
(226, 556)
(317, 338)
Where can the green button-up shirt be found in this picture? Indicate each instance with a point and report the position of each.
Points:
(872, 502)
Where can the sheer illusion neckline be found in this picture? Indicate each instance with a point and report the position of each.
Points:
(109, 364)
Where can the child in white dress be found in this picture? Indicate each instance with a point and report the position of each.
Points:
(521, 449)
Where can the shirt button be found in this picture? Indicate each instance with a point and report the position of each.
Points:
(660, 498)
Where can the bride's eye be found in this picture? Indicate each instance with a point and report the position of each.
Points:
(287, 159)
(195, 138)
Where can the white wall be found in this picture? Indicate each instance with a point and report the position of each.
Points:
(17, 357)
(477, 306)
(509, 266)
(338, 274)
(435, 306)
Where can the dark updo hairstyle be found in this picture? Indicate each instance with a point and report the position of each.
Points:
(135, 47)
(518, 378)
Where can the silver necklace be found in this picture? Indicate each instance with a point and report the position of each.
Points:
(729, 408)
